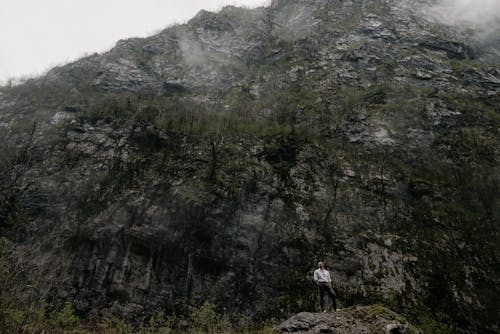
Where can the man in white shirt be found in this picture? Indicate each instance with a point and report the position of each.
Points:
(324, 282)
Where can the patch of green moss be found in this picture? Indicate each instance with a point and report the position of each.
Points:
(377, 310)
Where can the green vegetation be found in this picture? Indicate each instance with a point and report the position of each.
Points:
(373, 312)
(439, 195)
(43, 317)
(15, 162)
(457, 173)
(435, 323)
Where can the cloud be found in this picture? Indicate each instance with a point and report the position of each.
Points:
(483, 16)
(36, 35)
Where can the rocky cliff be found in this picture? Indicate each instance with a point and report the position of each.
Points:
(220, 159)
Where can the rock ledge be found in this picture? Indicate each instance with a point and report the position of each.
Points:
(358, 320)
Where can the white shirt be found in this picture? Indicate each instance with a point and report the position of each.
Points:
(322, 275)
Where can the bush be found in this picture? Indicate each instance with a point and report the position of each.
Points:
(206, 320)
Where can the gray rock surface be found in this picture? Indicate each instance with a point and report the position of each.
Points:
(219, 159)
(351, 321)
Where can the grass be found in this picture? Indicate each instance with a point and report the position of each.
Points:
(202, 320)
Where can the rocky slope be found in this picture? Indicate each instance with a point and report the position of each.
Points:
(359, 320)
(220, 159)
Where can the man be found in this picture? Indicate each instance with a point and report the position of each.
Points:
(324, 282)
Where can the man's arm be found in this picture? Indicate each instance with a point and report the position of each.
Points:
(316, 278)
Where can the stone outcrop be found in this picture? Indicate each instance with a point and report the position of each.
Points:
(361, 320)
(219, 159)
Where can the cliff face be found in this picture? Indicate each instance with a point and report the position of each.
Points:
(218, 160)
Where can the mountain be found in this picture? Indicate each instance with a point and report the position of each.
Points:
(220, 159)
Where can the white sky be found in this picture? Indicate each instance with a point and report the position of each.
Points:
(36, 35)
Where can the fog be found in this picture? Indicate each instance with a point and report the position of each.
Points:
(483, 16)
(37, 35)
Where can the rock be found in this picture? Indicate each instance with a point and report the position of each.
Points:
(218, 159)
(350, 321)
(300, 322)
(453, 49)
(395, 328)
(62, 116)
(72, 108)
(423, 75)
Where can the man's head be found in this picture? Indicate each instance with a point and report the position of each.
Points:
(321, 264)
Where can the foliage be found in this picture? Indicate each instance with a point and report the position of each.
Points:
(46, 318)
(371, 313)
(435, 323)
(15, 162)
(206, 320)
(442, 194)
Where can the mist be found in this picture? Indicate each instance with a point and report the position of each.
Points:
(38, 35)
(480, 16)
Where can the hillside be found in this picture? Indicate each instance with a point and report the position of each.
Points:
(218, 160)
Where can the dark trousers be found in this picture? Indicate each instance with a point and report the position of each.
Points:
(326, 288)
